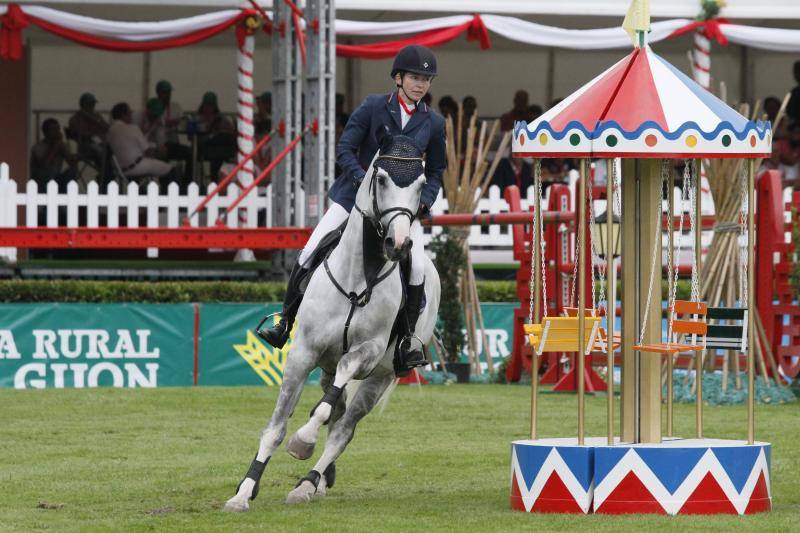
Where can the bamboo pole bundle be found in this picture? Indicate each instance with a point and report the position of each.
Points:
(468, 175)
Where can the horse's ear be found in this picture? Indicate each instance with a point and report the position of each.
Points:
(384, 137)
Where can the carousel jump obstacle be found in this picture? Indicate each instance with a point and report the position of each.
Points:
(642, 110)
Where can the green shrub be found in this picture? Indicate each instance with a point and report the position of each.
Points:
(450, 260)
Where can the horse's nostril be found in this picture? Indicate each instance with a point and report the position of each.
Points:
(389, 242)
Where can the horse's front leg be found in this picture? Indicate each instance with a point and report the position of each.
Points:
(298, 366)
(361, 359)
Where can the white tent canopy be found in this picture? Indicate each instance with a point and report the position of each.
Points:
(751, 9)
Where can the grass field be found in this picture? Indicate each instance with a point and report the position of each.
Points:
(437, 459)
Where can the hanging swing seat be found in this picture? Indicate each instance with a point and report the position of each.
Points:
(602, 335)
(560, 334)
(729, 336)
(693, 328)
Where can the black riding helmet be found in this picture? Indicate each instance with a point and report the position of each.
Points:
(415, 58)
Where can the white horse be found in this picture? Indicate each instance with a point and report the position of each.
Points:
(345, 325)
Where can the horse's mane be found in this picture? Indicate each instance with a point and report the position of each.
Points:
(402, 172)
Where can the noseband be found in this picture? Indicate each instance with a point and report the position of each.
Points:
(377, 215)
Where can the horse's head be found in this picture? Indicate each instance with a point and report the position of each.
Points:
(394, 185)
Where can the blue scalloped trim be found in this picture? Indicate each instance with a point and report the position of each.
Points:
(761, 128)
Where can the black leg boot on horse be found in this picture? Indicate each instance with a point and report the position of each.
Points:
(278, 334)
(410, 352)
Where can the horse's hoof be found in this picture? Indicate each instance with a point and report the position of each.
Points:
(302, 493)
(299, 449)
(322, 488)
(235, 505)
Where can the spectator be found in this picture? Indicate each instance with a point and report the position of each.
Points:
(263, 117)
(88, 128)
(151, 122)
(786, 153)
(218, 139)
(49, 155)
(341, 116)
(771, 107)
(518, 112)
(136, 157)
(448, 107)
(534, 112)
(514, 171)
(793, 108)
(171, 119)
(469, 104)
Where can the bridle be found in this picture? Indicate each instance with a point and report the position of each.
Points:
(377, 215)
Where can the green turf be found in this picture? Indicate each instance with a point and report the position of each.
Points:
(437, 459)
(143, 264)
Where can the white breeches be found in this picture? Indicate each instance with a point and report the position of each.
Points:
(336, 215)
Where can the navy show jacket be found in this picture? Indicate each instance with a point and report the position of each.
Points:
(358, 145)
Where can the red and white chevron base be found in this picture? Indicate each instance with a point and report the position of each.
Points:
(678, 476)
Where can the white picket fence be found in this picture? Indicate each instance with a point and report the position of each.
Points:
(138, 206)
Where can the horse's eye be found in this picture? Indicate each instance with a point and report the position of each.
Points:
(381, 180)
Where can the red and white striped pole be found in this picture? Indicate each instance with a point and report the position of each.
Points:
(244, 106)
(701, 59)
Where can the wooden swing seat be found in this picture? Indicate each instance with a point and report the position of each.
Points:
(560, 334)
(602, 335)
(695, 327)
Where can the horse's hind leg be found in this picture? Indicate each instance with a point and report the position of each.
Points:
(301, 444)
(297, 368)
(363, 401)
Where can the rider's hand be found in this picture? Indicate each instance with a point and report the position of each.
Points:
(423, 212)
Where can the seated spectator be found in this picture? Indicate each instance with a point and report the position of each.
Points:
(136, 157)
(88, 129)
(263, 116)
(217, 134)
(786, 153)
(469, 105)
(448, 107)
(771, 107)
(534, 112)
(514, 171)
(171, 119)
(518, 112)
(341, 116)
(49, 155)
(151, 122)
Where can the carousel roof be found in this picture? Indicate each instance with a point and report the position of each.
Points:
(642, 107)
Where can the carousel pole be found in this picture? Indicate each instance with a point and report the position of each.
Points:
(698, 233)
(536, 242)
(581, 203)
(610, 303)
(751, 307)
(670, 289)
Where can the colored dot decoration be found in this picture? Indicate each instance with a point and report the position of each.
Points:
(691, 141)
(651, 140)
(753, 141)
(522, 139)
(543, 139)
(726, 140)
(574, 139)
(611, 140)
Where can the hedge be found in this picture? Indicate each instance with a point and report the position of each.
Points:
(69, 291)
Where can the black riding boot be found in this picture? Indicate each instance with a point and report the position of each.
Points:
(278, 334)
(410, 352)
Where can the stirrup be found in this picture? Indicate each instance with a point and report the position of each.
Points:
(406, 363)
(259, 331)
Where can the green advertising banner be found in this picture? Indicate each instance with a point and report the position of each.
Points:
(230, 353)
(150, 345)
(91, 345)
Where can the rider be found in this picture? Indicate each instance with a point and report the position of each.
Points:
(402, 112)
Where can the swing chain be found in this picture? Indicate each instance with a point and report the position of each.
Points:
(541, 239)
(694, 190)
(743, 288)
(537, 176)
(656, 244)
(597, 264)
